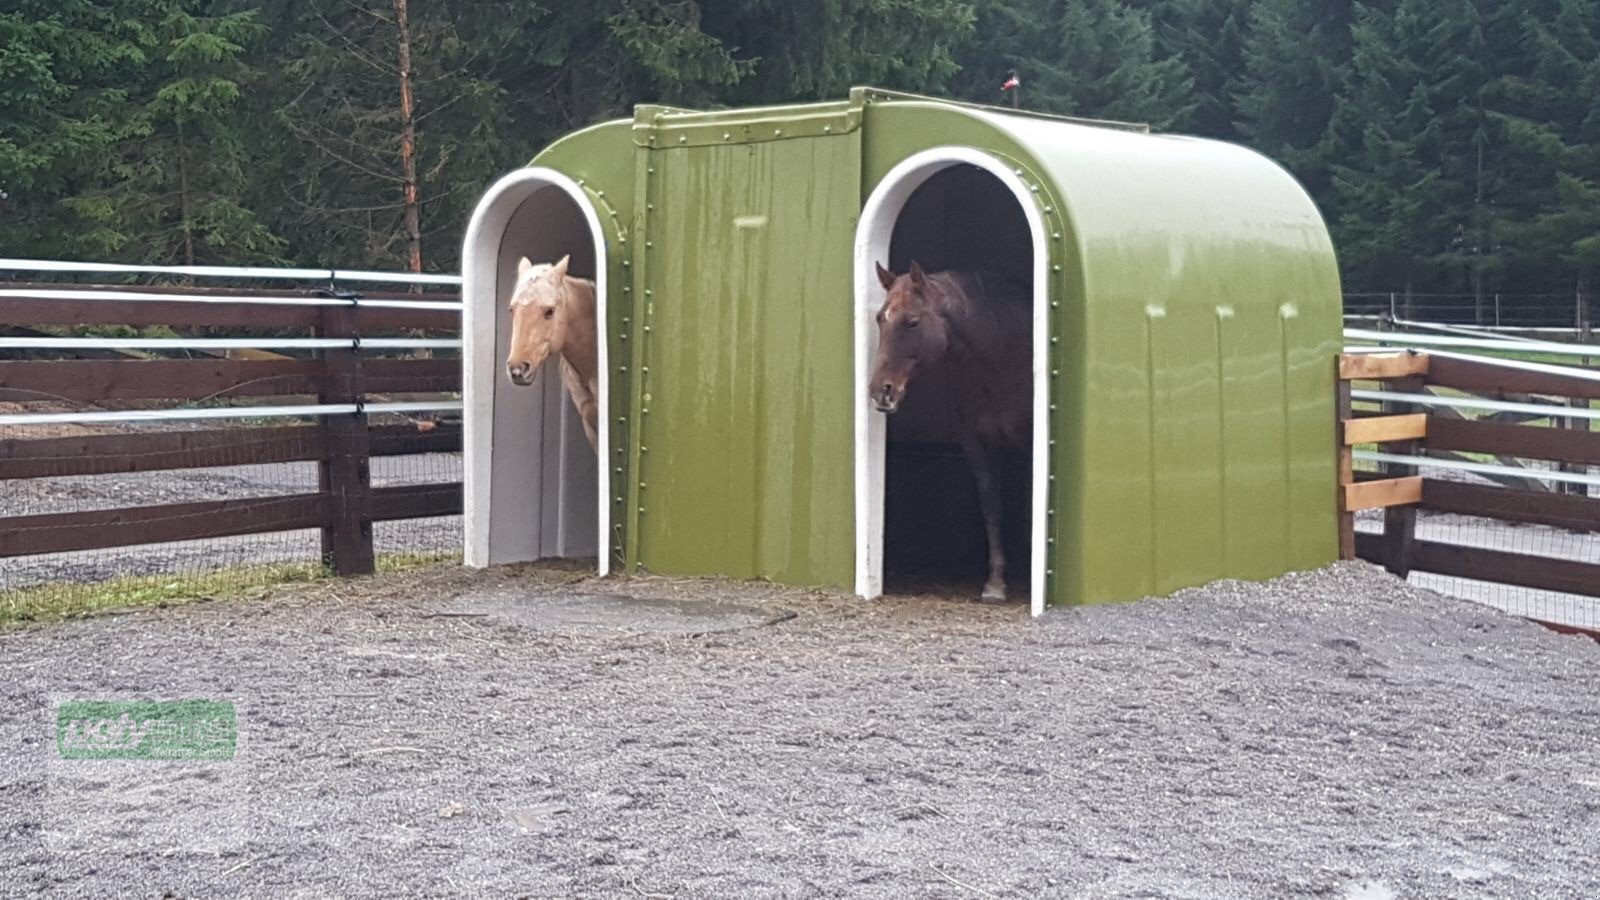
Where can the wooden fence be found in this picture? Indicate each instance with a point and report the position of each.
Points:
(1420, 396)
(1421, 399)
(339, 375)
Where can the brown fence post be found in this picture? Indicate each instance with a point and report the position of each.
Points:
(1347, 476)
(1400, 522)
(344, 474)
(1585, 335)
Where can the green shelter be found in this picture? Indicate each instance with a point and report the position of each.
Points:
(1186, 322)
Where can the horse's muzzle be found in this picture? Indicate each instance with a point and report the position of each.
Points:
(521, 373)
(886, 398)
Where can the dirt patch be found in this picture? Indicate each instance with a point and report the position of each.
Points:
(581, 613)
(534, 732)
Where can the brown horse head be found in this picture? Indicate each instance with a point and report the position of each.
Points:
(912, 333)
(539, 317)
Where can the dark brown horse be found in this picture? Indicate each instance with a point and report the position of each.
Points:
(979, 328)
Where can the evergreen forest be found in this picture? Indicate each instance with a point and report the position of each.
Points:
(1452, 145)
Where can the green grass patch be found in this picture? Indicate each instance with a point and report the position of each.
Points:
(72, 600)
(400, 562)
(68, 600)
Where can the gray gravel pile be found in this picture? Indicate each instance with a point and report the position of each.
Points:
(535, 733)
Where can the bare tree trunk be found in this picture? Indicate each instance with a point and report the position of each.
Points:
(408, 157)
(408, 140)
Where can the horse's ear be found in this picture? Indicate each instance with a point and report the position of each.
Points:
(559, 270)
(918, 277)
(523, 265)
(885, 277)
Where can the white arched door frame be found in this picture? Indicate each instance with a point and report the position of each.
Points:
(482, 364)
(874, 233)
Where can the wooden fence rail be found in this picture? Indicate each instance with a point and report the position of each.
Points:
(1444, 433)
(38, 305)
(345, 504)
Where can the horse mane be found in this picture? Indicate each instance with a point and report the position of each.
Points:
(539, 270)
(985, 293)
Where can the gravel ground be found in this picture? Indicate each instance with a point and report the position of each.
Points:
(533, 732)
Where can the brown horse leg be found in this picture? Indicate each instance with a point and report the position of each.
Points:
(985, 469)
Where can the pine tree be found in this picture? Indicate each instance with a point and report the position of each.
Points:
(1094, 58)
(818, 49)
(65, 69)
(1422, 166)
(367, 162)
(1209, 37)
(1296, 60)
(118, 137)
(178, 178)
(1550, 111)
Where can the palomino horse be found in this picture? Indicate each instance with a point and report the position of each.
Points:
(554, 313)
(979, 328)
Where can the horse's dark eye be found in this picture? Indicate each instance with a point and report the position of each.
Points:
(550, 313)
(912, 323)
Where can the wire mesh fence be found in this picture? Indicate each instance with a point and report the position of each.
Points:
(270, 501)
(160, 440)
(1494, 414)
(1506, 310)
(34, 584)
(1479, 532)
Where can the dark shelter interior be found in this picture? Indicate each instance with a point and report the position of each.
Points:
(546, 227)
(962, 218)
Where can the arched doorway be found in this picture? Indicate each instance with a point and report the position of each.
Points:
(533, 487)
(951, 207)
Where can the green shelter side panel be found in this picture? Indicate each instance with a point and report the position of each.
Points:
(1203, 368)
(745, 360)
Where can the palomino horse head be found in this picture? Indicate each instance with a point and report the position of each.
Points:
(539, 317)
(912, 333)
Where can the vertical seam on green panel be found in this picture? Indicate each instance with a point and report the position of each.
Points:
(1287, 429)
(858, 155)
(622, 296)
(1056, 276)
(619, 434)
(638, 261)
(1222, 442)
(1057, 285)
(1150, 449)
